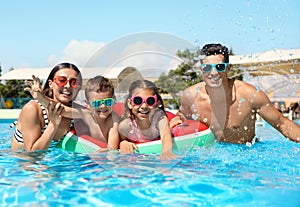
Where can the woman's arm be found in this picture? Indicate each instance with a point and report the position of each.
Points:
(31, 126)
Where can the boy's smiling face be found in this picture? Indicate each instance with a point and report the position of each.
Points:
(103, 111)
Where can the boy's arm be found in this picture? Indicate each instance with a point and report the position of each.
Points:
(69, 112)
(113, 137)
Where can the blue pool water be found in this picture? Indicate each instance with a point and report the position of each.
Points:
(264, 174)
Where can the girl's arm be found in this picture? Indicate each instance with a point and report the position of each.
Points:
(125, 145)
(166, 139)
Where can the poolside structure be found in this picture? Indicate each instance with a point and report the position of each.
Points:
(276, 72)
(272, 62)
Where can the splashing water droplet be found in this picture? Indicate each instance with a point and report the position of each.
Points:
(245, 128)
(198, 89)
(292, 70)
(248, 144)
(205, 120)
(195, 116)
(194, 108)
(242, 100)
(257, 88)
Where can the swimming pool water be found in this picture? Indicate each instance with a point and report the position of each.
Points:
(264, 174)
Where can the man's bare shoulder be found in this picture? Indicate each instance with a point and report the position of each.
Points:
(244, 87)
(251, 92)
(194, 88)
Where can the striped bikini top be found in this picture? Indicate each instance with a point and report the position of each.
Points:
(18, 134)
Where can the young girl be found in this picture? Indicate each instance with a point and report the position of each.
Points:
(144, 119)
(97, 120)
(38, 126)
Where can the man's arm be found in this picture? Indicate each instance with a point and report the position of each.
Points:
(269, 113)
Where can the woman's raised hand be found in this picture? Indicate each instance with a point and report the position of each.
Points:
(35, 86)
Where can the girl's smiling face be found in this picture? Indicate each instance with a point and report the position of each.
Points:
(143, 110)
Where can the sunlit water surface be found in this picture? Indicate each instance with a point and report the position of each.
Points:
(264, 174)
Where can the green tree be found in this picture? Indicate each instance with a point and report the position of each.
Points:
(180, 78)
(14, 90)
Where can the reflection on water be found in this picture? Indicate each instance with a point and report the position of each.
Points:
(267, 174)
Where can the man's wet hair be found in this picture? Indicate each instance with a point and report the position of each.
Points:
(214, 49)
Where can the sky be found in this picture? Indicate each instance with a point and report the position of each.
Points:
(38, 34)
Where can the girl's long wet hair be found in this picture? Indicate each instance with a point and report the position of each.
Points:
(142, 84)
(46, 89)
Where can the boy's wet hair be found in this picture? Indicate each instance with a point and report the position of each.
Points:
(214, 49)
(99, 84)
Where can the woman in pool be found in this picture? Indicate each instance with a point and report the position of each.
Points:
(97, 119)
(144, 119)
(38, 126)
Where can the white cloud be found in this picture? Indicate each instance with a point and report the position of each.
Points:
(77, 52)
(150, 53)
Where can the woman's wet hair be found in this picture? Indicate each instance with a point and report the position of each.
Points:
(99, 84)
(214, 49)
(58, 67)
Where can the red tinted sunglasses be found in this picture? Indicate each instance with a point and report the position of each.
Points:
(150, 100)
(61, 81)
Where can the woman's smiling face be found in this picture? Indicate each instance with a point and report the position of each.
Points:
(64, 94)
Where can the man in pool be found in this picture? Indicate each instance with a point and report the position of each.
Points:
(229, 106)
